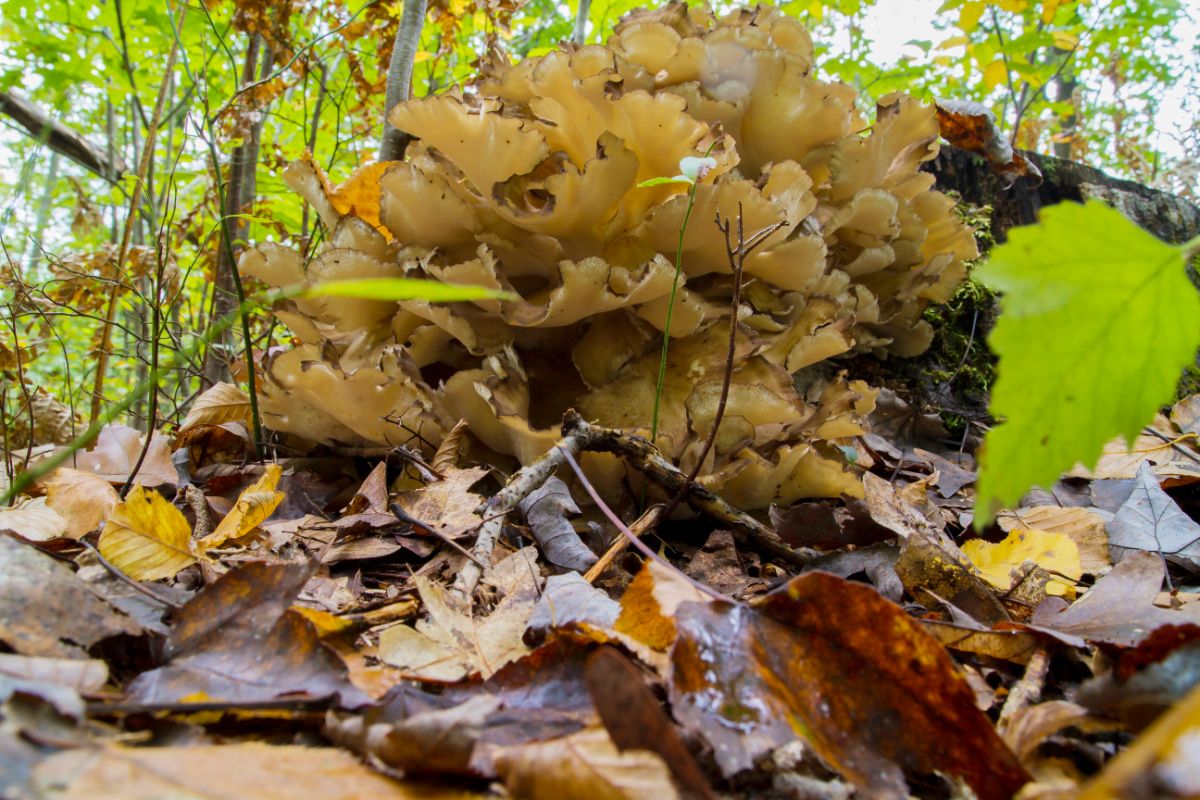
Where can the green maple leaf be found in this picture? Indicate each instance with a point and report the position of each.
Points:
(1098, 319)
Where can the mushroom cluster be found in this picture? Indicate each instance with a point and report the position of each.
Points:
(527, 180)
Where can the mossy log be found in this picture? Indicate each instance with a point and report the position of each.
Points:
(1168, 217)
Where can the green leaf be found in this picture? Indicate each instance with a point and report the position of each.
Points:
(1097, 321)
(406, 289)
(660, 181)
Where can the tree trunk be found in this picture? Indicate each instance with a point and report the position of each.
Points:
(1166, 216)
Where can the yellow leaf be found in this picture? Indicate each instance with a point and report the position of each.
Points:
(1065, 40)
(995, 73)
(968, 16)
(1015, 6)
(422, 56)
(146, 537)
(1054, 552)
(952, 42)
(256, 502)
(1049, 9)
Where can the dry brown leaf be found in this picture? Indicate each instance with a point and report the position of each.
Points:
(224, 402)
(584, 766)
(84, 499)
(247, 770)
(449, 645)
(146, 537)
(118, 449)
(256, 502)
(447, 506)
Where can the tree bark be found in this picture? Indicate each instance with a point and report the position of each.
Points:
(1168, 217)
(399, 78)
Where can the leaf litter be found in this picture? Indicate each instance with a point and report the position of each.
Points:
(317, 622)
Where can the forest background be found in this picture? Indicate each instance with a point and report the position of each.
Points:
(142, 142)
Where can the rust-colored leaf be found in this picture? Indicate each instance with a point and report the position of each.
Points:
(834, 663)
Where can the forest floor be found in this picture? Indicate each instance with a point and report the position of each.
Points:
(325, 626)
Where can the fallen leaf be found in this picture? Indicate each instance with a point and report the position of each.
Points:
(118, 449)
(826, 526)
(1054, 552)
(1150, 520)
(79, 674)
(569, 600)
(1082, 525)
(1164, 757)
(33, 521)
(933, 573)
(247, 770)
(46, 610)
(1120, 460)
(635, 719)
(649, 603)
(446, 507)
(1185, 415)
(1016, 646)
(237, 641)
(546, 509)
(716, 564)
(256, 502)
(84, 499)
(372, 495)
(1119, 609)
(224, 402)
(820, 658)
(450, 645)
(146, 537)
(584, 766)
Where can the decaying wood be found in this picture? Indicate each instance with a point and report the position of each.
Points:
(1169, 217)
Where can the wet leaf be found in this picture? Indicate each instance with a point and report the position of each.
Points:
(649, 604)
(546, 509)
(46, 610)
(634, 718)
(1150, 520)
(237, 640)
(146, 537)
(256, 502)
(568, 600)
(819, 658)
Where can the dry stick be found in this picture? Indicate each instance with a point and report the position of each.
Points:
(634, 540)
(639, 528)
(737, 260)
(496, 509)
(135, 201)
(646, 458)
(1027, 690)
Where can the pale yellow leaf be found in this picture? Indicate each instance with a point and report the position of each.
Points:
(1054, 552)
(33, 521)
(84, 499)
(256, 502)
(146, 537)
(1084, 527)
(995, 73)
(224, 402)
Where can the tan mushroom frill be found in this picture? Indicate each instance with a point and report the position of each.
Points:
(527, 180)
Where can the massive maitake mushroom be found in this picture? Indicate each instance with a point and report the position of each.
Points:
(527, 180)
